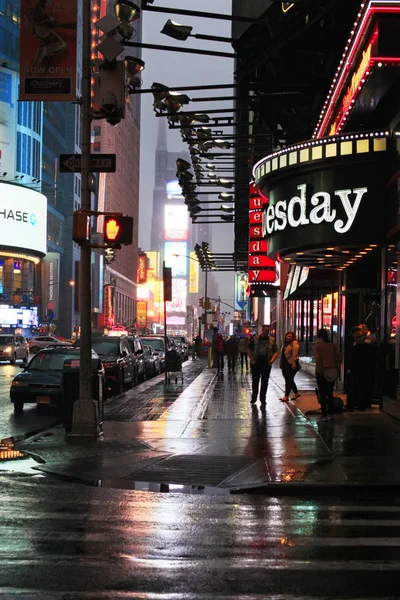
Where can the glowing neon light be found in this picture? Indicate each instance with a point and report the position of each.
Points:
(286, 6)
(112, 229)
(374, 6)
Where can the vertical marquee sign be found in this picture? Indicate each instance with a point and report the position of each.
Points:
(261, 268)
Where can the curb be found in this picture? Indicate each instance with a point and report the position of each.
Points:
(318, 488)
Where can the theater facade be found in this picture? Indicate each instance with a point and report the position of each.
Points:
(331, 205)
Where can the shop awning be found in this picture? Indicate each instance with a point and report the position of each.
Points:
(304, 282)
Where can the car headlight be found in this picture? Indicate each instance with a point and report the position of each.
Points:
(20, 383)
(8, 349)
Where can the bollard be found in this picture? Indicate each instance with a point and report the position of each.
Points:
(210, 358)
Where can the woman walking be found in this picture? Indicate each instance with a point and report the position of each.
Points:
(327, 365)
(290, 364)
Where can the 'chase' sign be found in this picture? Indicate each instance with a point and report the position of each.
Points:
(23, 219)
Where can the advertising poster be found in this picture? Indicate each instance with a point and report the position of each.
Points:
(51, 283)
(141, 310)
(8, 121)
(48, 50)
(194, 269)
(240, 292)
(108, 305)
(142, 269)
(176, 222)
(179, 294)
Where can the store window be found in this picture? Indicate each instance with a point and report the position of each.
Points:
(17, 275)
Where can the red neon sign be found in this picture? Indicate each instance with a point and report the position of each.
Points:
(342, 75)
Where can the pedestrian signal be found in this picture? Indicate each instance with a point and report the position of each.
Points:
(118, 231)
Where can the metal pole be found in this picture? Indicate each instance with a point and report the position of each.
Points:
(205, 299)
(165, 323)
(85, 414)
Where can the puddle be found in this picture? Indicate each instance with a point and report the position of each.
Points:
(16, 460)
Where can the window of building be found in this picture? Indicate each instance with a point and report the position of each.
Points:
(17, 275)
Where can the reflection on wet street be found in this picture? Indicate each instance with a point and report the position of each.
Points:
(67, 541)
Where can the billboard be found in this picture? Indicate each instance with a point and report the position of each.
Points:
(175, 222)
(141, 313)
(178, 263)
(173, 189)
(18, 317)
(179, 294)
(23, 219)
(48, 50)
(8, 121)
(194, 268)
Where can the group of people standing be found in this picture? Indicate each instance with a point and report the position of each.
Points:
(262, 351)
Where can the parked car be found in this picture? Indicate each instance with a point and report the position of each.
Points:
(40, 382)
(137, 350)
(152, 361)
(158, 344)
(45, 341)
(119, 363)
(185, 345)
(13, 347)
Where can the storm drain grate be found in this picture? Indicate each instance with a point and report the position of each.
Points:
(194, 469)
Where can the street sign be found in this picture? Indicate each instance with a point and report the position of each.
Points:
(99, 163)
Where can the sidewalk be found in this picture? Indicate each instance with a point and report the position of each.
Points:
(205, 433)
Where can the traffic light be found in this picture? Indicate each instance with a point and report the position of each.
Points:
(201, 302)
(118, 231)
(80, 227)
(208, 304)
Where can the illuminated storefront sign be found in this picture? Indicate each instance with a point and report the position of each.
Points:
(298, 211)
(108, 305)
(194, 270)
(23, 219)
(142, 268)
(141, 313)
(176, 222)
(258, 248)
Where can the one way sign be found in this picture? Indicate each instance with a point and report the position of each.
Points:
(99, 163)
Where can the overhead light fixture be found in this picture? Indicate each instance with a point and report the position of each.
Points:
(210, 166)
(198, 117)
(225, 196)
(222, 144)
(160, 91)
(176, 30)
(204, 133)
(133, 66)
(182, 165)
(226, 208)
(184, 176)
(225, 182)
(195, 210)
(227, 218)
(126, 11)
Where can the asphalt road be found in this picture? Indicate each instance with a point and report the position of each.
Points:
(30, 420)
(61, 540)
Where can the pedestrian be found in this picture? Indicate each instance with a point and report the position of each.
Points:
(197, 347)
(362, 368)
(262, 352)
(327, 367)
(219, 351)
(370, 359)
(351, 359)
(290, 364)
(243, 347)
(231, 351)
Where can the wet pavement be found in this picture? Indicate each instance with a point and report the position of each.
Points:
(66, 541)
(206, 433)
(194, 494)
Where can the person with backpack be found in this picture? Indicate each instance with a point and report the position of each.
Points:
(243, 347)
(327, 366)
(290, 364)
(262, 353)
(231, 351)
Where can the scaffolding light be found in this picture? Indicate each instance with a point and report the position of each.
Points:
(176, 30)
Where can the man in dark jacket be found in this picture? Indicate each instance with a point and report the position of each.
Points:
(262, 353)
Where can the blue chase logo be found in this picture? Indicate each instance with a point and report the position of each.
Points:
(32, 219)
